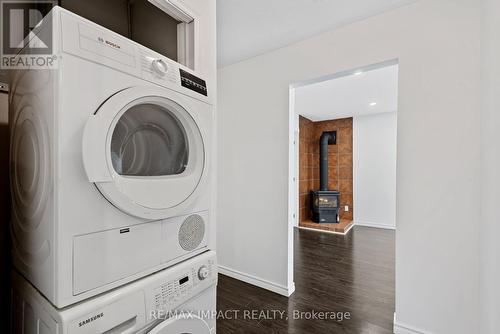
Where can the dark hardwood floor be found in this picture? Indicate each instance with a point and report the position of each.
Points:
(333, 273)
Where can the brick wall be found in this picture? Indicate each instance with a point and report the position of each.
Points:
(339, 163)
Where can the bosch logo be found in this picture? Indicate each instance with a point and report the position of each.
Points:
(113, 45)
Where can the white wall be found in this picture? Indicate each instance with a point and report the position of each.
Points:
(437, 44)
(490, 163)
(374, 169)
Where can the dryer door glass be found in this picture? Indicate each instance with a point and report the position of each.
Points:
(149, 140)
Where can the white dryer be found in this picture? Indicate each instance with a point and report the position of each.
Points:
(177, 300)
(110, 163)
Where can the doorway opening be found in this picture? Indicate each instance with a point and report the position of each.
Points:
(342, 186)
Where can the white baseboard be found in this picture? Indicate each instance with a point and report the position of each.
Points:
(406, 329)
(260, 282)
(372, 224)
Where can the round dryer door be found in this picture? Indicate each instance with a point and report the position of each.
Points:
(190, 324)
(144, 151)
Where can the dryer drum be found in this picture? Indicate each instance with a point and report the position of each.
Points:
(149, 140)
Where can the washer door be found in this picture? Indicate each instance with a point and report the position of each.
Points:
(190, 324)
(144, 151)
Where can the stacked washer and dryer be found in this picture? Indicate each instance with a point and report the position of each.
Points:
(111, 182)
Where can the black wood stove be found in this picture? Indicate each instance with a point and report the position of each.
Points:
(325, 203)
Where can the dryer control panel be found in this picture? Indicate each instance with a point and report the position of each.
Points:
(87, 40)
(166, 72)
(190, 81)
(158, 69)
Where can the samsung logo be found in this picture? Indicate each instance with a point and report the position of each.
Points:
(89, 320)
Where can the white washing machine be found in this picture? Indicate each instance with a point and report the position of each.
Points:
(177, 300)
(110, 163)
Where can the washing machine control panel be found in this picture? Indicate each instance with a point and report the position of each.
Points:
(174, 292)
(203, 272)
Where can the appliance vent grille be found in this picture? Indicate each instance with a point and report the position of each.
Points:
(191, 232)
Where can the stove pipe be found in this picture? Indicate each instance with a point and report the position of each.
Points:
(327, 138)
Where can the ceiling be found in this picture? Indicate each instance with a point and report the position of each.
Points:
(247, 28)
(351, 95)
